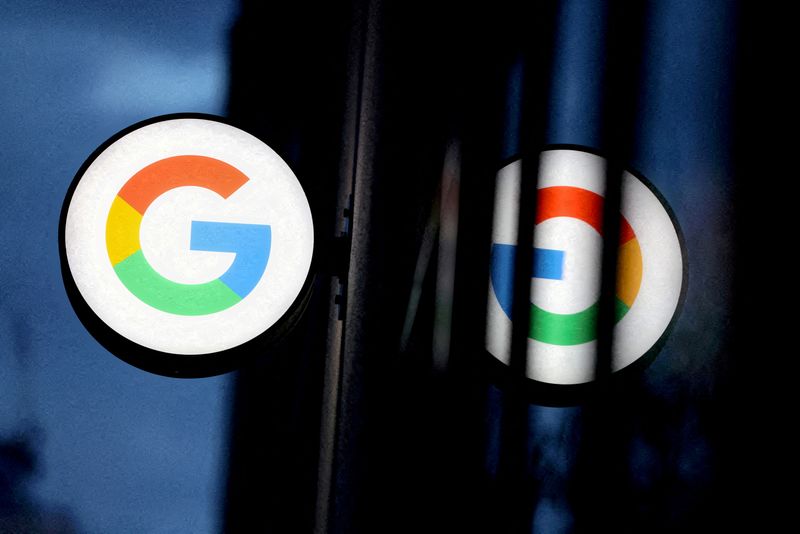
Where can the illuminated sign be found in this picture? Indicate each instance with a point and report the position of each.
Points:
(185, 239)
(565, 279)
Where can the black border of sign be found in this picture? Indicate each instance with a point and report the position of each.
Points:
(548, 394)
(154, 361)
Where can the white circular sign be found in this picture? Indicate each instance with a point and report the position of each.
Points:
(565, 282)
(187, 236)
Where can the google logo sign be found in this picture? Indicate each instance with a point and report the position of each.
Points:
(184, 241)
(565, 279)
(250, 242)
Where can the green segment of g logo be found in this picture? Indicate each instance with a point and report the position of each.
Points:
(250, 242)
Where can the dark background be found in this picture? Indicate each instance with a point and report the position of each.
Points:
(351, 425)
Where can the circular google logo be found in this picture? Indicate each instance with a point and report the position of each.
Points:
(185, 239)
(565, 279)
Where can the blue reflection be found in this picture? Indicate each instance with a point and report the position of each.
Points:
(120, 450)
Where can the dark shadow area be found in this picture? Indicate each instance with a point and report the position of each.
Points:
(19, 510)
(287, 88)
(368, 99)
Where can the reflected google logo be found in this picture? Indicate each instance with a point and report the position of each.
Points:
(579, 327)
(565, 278)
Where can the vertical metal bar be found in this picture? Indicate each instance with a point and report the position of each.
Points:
(518, 487)
(350, 449)
(332, 378)
(602, 467)
(537, 67)
(625, 35)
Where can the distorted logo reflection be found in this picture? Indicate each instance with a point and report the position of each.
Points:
(566, 275)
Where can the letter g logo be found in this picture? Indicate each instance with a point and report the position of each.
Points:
(183, 239)
(250, 242)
